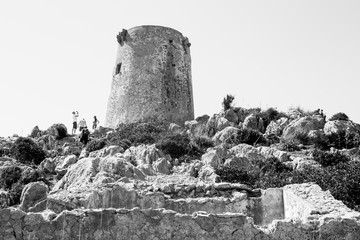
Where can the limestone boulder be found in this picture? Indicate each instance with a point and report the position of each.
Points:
(302, 126)
(251, 121)
(247, 151)
(107, 151)
(48, 165)
(277, 127)
(216, 123)
(82, 174)
(143, 154)
(32, 194)
(174, 128)
(64, 162)
(195, 128)
(215, 156)
(34, 132)
(337, 126)
(162, 166)
(207, 174)
(231, 116)
(269, 152)
(225, 134)
(58, 131)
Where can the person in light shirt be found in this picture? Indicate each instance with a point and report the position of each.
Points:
(82, 124)
(75, 115)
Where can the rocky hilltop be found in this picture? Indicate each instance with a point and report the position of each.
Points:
(239, 174)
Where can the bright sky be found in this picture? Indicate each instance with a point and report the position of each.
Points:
(58, 56)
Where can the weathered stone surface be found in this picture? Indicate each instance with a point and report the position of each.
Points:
(225, 134)
(33, 193)
(337, 126)
(162, 165)
(195, 128)
(107, 151)
(252, 122)
(216, 123)
(57, 130)
(143, 154)
(34, 132)
(175, 128)
(4, 199)
(151, 78)
(231, 116)
(247, 151)
(215, 156)
(277, 127)
(302, 126)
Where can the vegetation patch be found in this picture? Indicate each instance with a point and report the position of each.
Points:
(26, 151)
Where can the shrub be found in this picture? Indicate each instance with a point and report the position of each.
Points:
(26, 151)
(9, 176)
(329, 159)
(234, 175)
(137, 133)
(339, 116)
(177, 145)
(227, 102)
(248, 136)
(95, 145)
(343, 139)
(271, 114)
(58, 130)
(289, 146)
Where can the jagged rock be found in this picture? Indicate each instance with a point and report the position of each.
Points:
(107, 151)
(294, 114)
(48, 165)
(33, 193)
(207, 174)
(214, 156)
(225, 134)
(143, 154)
(302, 126)
(231, 116)
(162, 166)
(269, 152)
(277, 127)
(58, 131)
(337, 126)
(84, 153)
(249, 152)
(34, 132)
(173, 127)
(147, 169)
(202, 119)
(63, 163)
(252, 122)
(216, 123)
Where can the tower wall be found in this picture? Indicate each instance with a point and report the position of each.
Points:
(151, 77)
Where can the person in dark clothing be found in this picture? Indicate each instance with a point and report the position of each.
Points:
(95, 123)
(84, 136)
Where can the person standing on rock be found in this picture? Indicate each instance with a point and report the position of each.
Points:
(95, 123)
(84, 136)
(82, 124)
(75, 116)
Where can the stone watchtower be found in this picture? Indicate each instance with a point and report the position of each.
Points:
(151, 77)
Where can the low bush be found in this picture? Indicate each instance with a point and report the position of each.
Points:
(177, 145)
(95, 145)
(137, 133)
(26, 151)
(227, 102)
(343, 139)
(329, 159)
(203, 142)
(248, 136)
(339, 116)
(342, 179)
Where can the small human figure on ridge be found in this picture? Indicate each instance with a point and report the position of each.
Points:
(75, 116)
(82, 124)
(95, 123)
(84, 136)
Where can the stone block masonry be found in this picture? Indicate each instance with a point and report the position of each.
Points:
(151, 77)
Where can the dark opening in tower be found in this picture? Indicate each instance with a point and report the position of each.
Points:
(118, 67)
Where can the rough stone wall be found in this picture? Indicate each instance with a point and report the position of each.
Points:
(151, 77)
